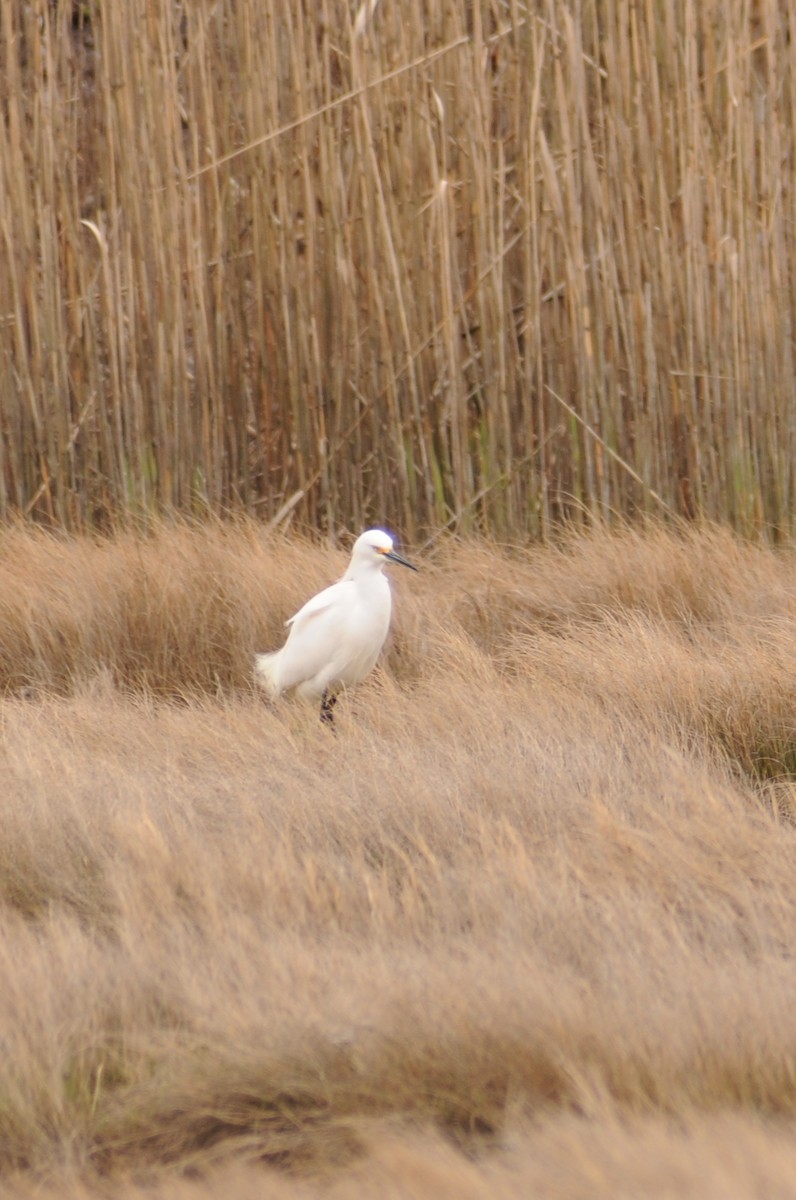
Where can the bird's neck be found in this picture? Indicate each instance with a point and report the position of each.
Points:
(370, 576)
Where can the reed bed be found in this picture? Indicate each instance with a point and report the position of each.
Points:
(523, 926)
(487, 266)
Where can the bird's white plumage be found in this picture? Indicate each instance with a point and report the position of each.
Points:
(335, 639)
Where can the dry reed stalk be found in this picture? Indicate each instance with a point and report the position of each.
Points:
(253, 253)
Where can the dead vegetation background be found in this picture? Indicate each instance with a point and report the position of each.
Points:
(488, 265)
(525, 926)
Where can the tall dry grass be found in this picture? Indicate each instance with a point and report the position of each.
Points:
(485, 265)
(524, 926)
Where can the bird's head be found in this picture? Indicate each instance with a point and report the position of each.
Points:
(374, 546)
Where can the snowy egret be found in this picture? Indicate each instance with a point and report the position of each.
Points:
(336, 637)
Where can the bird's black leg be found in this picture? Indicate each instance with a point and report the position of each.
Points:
(328, 701)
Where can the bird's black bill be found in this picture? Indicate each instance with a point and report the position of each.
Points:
(394, 556)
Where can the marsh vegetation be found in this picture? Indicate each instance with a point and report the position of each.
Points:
(526, 924)
(487, 266)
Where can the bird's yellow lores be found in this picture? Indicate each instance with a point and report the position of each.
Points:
(337, 636)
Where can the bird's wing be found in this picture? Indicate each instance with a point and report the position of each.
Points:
(315, 635)
(316, 605)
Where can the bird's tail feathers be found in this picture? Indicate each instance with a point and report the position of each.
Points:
(267, 672)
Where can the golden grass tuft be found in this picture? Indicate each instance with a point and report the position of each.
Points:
(524, 925)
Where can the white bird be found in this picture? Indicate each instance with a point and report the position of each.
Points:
(337, 636)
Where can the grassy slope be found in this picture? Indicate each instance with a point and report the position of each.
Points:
(524, 927)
